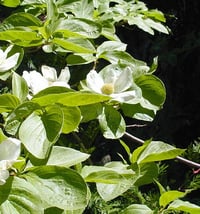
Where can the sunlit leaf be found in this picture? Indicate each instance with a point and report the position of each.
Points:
(34, 138)
(8, 102)
(63, 156)
(19, 87)
(184, 206)
(112, 123)
(157, 151)
(170, 196)
(137, 209)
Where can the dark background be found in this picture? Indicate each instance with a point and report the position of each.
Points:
(179, 68)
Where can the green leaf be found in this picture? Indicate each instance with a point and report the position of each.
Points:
(158, 151)
(10, 3)
(80, 59)
(8, 102)
(41, 188)
(34, 138)
(152, 88)
(111, 123)
(63, 156)
(19, 87)
(72, 118)
(78, 45)
(81, 27)
(59, 187)
(52, 119)
(71, 99)
(112, 180)
(20, 196)
(146, 174)
(21, 37)
(116, 56)
(155, 14)
(52, 90)
(170, 196)
(184, 206)
(90, 112)
(137, 152)
(15, 118)
(22, 19)
(111, 45)
(2, 136)
(137, 209)
(138, 112)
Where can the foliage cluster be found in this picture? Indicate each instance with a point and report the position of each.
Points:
(41, 168)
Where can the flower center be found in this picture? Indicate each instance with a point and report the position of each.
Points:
(107, 88)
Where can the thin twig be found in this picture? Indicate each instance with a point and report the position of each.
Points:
(180, 159)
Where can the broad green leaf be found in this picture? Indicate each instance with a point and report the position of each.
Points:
(10, 3)
(21, 37)
(80, 59)
(184, 206)
(19, 87)
(71, 99)
(111, 123)
(15, 118)
(20, 196)
(152, 88)
(155, 14)
(59, 187)
(156, 25)
(146, 174)
(22, 19)
(34, 138)
(137, 209)
(122, 57)
(52, 90)
(82, 27)
(111, 191)
(108, 30)
(8, 102)
(2, 136)
(158, 151)
(52, 119)
(78, 45)
(138, 112)
(22, 111)
(137, 152)
(90, 112)
(84, 9)
(170, 196)
(27, 2)
(72, 118)
(63, 156)
(111, 45)
(111, 173)
(111, 180)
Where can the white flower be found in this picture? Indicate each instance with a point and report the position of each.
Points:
(6, 63)
(115, 83)
(9, 152)
(36, 82)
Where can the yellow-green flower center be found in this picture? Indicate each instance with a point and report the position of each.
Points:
(107, 88)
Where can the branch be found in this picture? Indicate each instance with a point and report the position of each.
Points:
(180, 159)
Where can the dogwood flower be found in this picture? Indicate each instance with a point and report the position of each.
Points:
(37, 81)
(9, 152)
(114, 83)
(6, 63)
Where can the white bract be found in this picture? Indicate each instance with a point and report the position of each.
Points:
(9, 152)
(6, 63)
(114, 83)
(37, 81)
